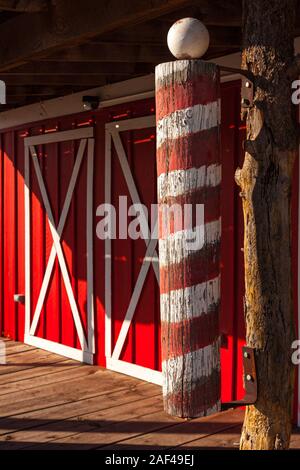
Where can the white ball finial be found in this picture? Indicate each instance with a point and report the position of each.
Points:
(188, 39)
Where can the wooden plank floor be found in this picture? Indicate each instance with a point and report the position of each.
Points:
(50, 402)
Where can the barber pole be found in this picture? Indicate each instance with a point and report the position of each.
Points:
(189, 172)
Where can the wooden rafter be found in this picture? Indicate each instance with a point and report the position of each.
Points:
(108, 52)
(71, 23)
(78, 69)
(155, 33)
(58, 80)
(122, 51)
(40, 91)
(212, 13)
(28, 6)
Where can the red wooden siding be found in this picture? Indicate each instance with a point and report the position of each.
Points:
(143, 343)
(232, 268)
(232, 260)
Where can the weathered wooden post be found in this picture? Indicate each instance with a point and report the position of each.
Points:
(189, 172)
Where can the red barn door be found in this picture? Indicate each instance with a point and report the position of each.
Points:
(59, 297)
(132, 333)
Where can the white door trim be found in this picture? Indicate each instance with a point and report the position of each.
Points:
(61, 136)
(134, 370)
(87, 343)
(113, 361)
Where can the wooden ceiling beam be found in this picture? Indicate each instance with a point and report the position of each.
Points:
(73, 22)
(212, 13)
(40, 91)
(156, 34)
(16, 104)
(78, 69)
(101, 52)
(108, 52)
(25, 6)
(87, 81)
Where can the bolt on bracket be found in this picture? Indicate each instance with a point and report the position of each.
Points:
(250, 381)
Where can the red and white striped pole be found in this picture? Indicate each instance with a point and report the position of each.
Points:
(189, 172)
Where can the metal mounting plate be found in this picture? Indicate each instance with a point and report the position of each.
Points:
(250, 381)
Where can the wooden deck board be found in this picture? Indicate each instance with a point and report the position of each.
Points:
(225, 440)
(28, 360)
(78, 375)
(95, 383)
(49, 416)
(37, 371)
(55, 435)
(12, 348)
(138, 422)
(50, 402)
(68, 370)
(184, 432)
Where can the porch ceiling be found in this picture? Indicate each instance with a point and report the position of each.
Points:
(51, 48)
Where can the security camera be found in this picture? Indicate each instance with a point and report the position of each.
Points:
(90, 102)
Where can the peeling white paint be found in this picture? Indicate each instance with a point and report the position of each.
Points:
(195, 364)
(188, 121)
(180, 182)
(193, 301)
(179, 245)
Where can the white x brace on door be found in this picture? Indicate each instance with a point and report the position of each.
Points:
(113, 362)
(86, 339)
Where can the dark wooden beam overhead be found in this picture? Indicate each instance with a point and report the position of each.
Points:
(155, 33)
(212, 13)
(87, 81)
(139, 51)
(41, 91)
(72, 22)
(74, 69)
(16, 103)
(28, 6)
(108, 52)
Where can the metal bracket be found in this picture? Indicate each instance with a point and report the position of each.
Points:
(250, 381)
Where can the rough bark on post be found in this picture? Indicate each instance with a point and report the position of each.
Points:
(265, 182)
(189, 172)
